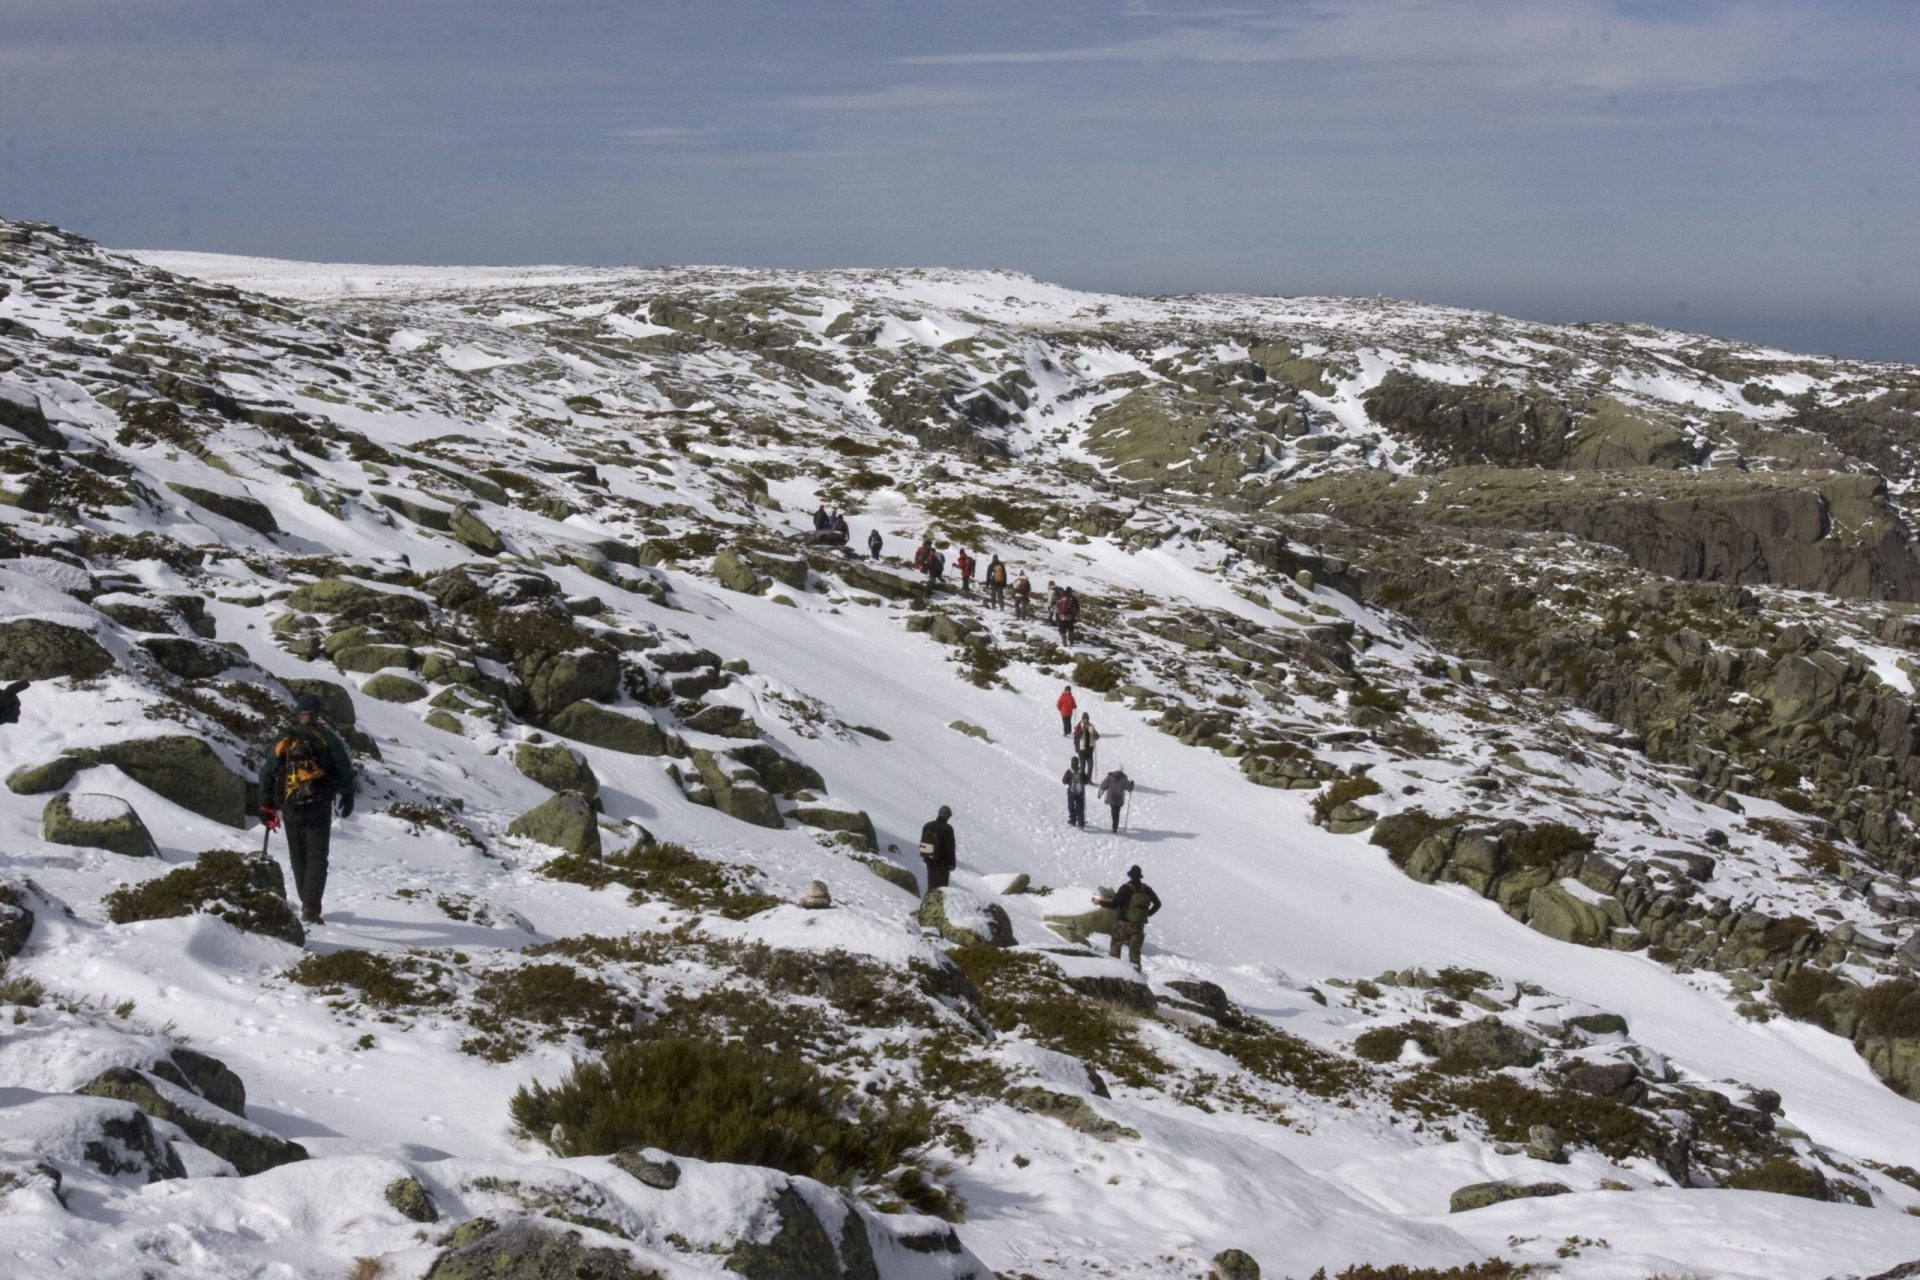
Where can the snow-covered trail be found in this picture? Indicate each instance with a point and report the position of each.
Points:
(1251, 885)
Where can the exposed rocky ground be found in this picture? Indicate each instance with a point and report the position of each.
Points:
(1604, 633)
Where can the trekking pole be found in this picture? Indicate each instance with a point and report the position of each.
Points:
(1126, 814)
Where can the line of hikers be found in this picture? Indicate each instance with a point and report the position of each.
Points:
(1135, 902)
(1063, 605)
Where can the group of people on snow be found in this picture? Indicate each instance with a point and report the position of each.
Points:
(1135, 902)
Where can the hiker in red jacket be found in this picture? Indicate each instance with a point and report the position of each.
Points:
(1066, 704)
(964, 563)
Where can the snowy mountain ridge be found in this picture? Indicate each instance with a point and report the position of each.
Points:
(532, 535)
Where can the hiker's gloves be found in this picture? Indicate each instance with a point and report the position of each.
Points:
(270, 816)
(346, 806)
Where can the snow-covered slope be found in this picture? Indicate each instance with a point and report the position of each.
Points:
(475, 501)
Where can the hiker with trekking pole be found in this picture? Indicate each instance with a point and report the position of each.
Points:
(304, 775)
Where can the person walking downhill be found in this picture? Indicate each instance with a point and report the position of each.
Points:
(996, 583)
(821, 520)
(874, 543)
(1022, 597)
(1084, 737)
(1114, 789)
(964, 563)
(305, 773)
(1134, 905)
(1065, 705)
(938, 851)
(1075, 780)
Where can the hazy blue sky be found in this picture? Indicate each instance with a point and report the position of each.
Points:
(1746, 168)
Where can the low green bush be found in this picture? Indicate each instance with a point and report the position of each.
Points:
(1021, 989)
(1545, 845)
(1098, 674)
(1799, 993)
(1385, 1044)
(725, 1101)
(1782, 1176)
(220, 883)
(544, 1001)
(1342, 791)
(390, 980)
(1891, 1008)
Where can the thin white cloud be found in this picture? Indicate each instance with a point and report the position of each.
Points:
(659, 135)
(1563, 44)
(902, 97)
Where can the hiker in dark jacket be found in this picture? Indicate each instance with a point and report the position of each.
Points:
(1134, 905)
(1084, 738)
(1022, 597)
(305, 774)
(938, 850)
(1066, 613)
(874, 543)
(10, 701)
(936, 565)
(996, 583)
(1114, 789)
(1075, 780)
(821, 520)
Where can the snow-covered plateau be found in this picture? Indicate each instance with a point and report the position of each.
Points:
(1519, 718)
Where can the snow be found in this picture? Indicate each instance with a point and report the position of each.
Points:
(1259, 899)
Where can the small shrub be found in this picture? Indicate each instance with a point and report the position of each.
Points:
(1491, 1269)
(1385, 1044)
(20, 990)
(1783, 1176)
(548, 1000)
(220, 883)
(1891, 1008)
(1507, 1108)
(1273, 1055)
(1018, 989)
(671, 873)
(1098, 674)
(1799, 993)
(387, 979)
(724, 1101)
(1342, 791)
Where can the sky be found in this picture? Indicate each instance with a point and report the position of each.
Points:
(1749, 169)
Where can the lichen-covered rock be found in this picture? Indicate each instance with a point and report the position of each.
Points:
(895, 874)
(365, 659)
(660, 1173)
(592, 723)
(853, 824)
(336, 703)
(737, 788)
(530, 1250)
(734, 569)
(1233, 1264)
(965, 918)
(557, 767)
(555, 681)
(1082, 925)
(798, 1249)
(1071, 1110)
(38, 779)
(1479, 1195)
(566, 821)
(723, 721)
(112, 1137)
(247, 1147)
(411, 1200)
(203, 1074)
(1485, 1045)
(474, 533)
(817, 897)
(237, 507)
(34, 649)
(185, 770)
(389, 687)
(189, 659)
(1560, 913)
(92, 821)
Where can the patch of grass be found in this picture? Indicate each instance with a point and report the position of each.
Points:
(1460, 984)
(1342, 791)
(1491, 1269)
(22, 990)
(220, 883)
(1401, 833)
(547, 1001)
(848, 447)
(669, 873)
(1782, 1176)
(1019, 989)
(386, 979)
(726, 1101)
(1274, 1056)
(1506, 1108)
(1385, 1044)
